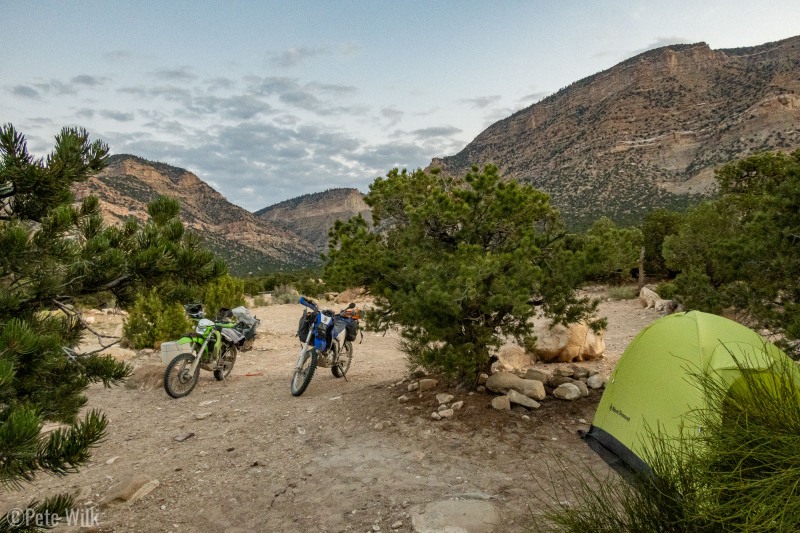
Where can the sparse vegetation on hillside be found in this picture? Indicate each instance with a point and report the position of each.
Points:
(458, 263)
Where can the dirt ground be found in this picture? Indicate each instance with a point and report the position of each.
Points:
(344, 456)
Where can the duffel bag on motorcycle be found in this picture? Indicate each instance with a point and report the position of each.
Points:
(323, 330)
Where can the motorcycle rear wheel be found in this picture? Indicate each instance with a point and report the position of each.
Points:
(226, 361)
(179, 380)
(302, 376)
(342, 365)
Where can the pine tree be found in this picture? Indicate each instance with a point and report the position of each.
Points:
(54, 251)
(459, 263)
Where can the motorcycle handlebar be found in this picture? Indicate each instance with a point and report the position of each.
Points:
(309, 303)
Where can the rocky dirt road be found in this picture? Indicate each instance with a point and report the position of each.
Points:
(345, 456)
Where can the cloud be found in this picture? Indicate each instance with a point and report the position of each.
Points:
(393, 115)
(25, 91)
(117, 115)
(481, 102)
(87, 80)
(660, 42)
(85, 113)
(180, 74)
(296, 56)
(436, 131)
(532, 98)
(242, 107)
(117, 56)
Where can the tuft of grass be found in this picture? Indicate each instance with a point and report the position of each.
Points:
(285, 294)
(742, 473)
(625, 292)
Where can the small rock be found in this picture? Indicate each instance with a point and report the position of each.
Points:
(555, 381)
(595, 382)
(436, 416)
(442, 407)
(520, 399)
(376, 527)
(427, 384)
(202, 416)
(580, 372)
(567, 371)
(482, 379)
(443, 398)
(538, 375)
(501, 403)
(419, 372)
(379, 426)
(457, 405)
(112, 459)
(129, 489)
(447, 413)
(480, 388)
(567, 391)
(206, 402)
(184, 436)
(583, 388)
(397, 525)
(403, 399)
(413, 386)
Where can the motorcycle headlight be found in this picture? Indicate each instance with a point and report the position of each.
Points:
(202, 325)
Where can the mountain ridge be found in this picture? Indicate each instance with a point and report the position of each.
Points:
(647, 132)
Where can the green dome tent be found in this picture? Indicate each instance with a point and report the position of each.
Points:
(653, 386)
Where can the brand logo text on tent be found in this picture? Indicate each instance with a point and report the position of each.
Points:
(620, 413)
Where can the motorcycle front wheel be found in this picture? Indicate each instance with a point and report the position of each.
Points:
(179, 380)
(302, 376)
(226, 362)
(342, 365)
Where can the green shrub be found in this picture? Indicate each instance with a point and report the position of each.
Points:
(152, 322)
(224, 292)
(260, 301)
(285, 294)
(666, 290)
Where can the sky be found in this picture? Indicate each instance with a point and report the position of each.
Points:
(268, 100)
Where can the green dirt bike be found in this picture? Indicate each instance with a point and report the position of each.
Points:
(211, 346)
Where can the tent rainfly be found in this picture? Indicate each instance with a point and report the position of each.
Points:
(652, 388)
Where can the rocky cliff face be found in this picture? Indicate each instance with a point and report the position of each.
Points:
(648, 132)
(312, 215)
(246, 242)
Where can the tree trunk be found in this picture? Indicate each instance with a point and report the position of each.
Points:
(641, 268)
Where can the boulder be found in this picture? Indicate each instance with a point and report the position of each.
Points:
(561, 344)
(648, 298)
(514, 358)
(502, 382)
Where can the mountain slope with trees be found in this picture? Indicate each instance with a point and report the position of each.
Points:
(312, 215)
(648, 132)
(246, 242)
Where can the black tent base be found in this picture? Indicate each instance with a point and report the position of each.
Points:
(618, 456)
